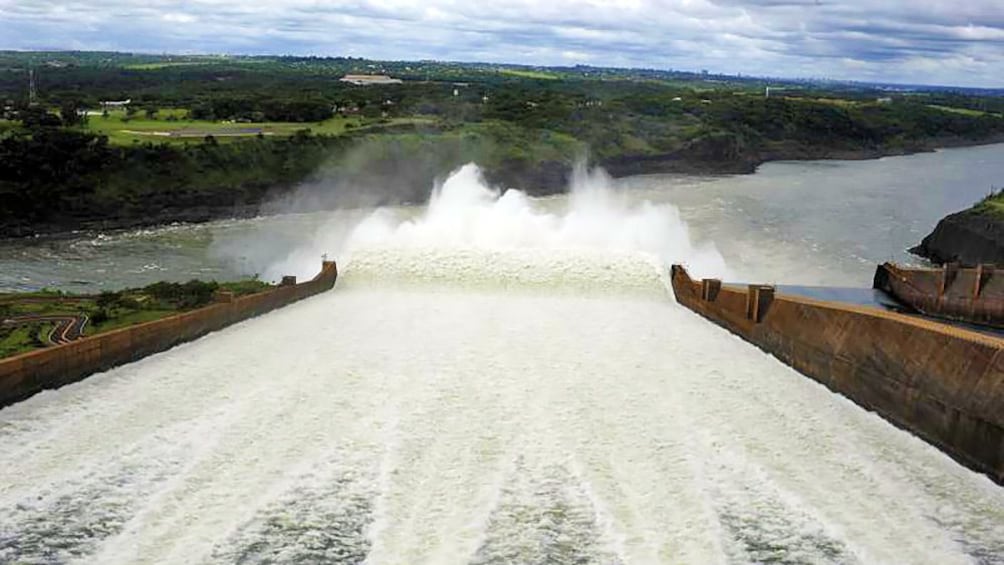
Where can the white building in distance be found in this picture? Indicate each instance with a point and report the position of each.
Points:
(107, 104)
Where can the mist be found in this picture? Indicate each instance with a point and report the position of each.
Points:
(595, 224)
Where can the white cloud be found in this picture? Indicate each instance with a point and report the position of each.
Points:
(943, 41)
(179, 18)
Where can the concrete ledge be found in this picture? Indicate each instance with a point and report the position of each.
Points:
(973, 295)
(27, 374)
(943, 383)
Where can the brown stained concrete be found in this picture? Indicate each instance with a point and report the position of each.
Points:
(974, 295)
(943, 383)
(24, 375)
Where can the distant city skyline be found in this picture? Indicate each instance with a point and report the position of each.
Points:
(940, 42)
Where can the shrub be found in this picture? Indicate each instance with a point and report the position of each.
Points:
(99, 316)
(107, 299)
(191, 294)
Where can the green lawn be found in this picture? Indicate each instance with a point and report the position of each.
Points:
(165, 65)
(140, 129)
(22, 339)
(992, 206)
(529, 74)
(131, 318)
(839, 102)
(105, 312)
(963, 111)
(245, 287)
(14, 341)
(52, 307)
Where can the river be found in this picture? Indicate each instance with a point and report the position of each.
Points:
(816, 222)
(499, 380)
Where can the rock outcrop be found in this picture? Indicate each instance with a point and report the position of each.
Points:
(969, 237)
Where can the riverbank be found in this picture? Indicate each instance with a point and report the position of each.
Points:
(30, 372)
(970, 237)
(392, 184)
(193, 145)
(748, 163)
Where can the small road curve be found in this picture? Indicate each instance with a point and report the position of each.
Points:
(67, 327)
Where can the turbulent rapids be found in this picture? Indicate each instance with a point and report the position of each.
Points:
(492, 382)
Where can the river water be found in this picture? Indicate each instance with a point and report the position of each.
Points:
(499, 380)
(817, 222)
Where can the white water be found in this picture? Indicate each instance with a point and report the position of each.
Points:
(467, 218)
(490, 382)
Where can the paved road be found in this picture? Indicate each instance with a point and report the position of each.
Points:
(67, 327)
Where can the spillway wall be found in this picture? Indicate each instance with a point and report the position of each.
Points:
(24, 375)
(943, 383)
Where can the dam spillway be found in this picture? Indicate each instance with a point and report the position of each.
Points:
(472, 406)
(515, 427)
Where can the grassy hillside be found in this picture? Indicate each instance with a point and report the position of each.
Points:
(992, 205)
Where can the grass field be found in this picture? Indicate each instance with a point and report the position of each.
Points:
(963, 111)
(178, 129)
(529, 74)
(839, 102)
(124, 320)
(16, 341)
(140, 129)
(992, 205)
(104, 313)
(165, 65)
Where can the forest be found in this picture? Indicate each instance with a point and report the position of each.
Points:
(194, 138)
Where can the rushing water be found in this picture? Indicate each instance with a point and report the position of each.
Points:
(819, 222)
(495, 381)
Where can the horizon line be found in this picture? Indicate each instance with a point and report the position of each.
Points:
(996, 90)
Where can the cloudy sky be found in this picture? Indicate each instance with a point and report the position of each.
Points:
(957, 42)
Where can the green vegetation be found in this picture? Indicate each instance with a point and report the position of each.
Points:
(541, 75)
(20, 339)
(63, 175)
(204, 136)
(245, 287)
(992, 204)
(123, 318)
(21, 331)
(174, 125)
(963, 111)
(158, 66)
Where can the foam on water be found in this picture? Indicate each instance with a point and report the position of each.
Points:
(472, 234)
(425, 413)
(457, 427)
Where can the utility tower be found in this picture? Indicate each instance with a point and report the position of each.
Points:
(32, 88)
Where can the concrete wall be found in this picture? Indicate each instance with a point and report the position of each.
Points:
(966, 294)
(27, 374)
(942, 383)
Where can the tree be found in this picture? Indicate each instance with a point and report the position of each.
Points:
(35, 116)
(69, 113)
